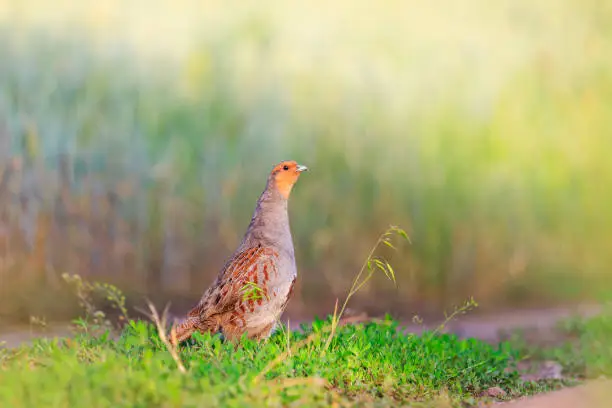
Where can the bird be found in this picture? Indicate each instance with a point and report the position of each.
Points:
(253, 288)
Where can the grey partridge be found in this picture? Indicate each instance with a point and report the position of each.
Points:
(252, 289)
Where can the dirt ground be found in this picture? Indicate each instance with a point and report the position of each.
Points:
(595, 394)
(18, 335)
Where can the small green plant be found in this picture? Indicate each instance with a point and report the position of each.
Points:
(94, 319)
(457, 311)
(39, 323)
(253, 292)
(371, 264)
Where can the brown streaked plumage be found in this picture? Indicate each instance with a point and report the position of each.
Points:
(263, 264)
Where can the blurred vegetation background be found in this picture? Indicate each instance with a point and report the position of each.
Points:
(135, 138)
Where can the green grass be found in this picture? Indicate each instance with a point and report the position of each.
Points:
(367, 363)
(322, 364)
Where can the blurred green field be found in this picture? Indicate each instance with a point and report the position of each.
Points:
(135, 139)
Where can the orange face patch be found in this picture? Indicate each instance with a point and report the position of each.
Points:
(286, 175)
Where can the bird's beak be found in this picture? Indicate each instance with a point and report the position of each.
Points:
(301, 168)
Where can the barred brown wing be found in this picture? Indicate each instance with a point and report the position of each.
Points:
(241, 284)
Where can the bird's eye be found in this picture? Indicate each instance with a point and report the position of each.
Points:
(285, 167)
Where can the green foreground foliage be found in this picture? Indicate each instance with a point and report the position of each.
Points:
(323, 364)
(372, 362)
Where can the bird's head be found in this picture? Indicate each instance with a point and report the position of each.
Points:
(284, 175)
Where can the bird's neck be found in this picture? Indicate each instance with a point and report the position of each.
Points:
(269, 225)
